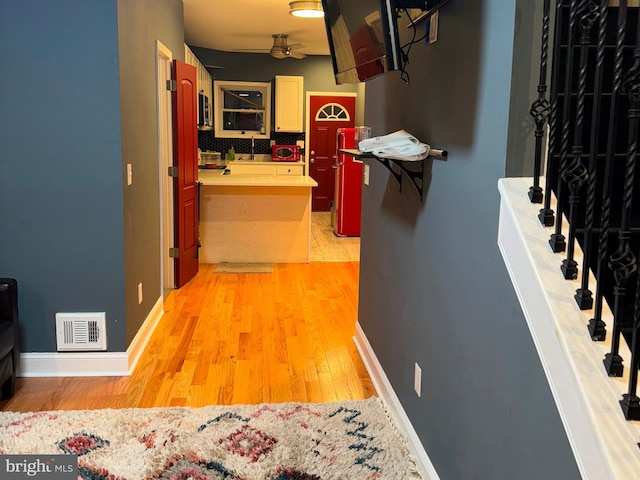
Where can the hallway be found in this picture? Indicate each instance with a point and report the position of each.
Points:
(234, 338)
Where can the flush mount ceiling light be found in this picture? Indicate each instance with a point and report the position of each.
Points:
(305, 9)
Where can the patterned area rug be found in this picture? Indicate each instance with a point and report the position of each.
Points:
(289, 441)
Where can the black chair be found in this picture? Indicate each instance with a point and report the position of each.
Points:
(9, 336)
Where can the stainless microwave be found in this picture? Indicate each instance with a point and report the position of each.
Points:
(204, 111)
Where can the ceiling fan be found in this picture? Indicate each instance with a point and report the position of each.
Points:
(282, 49)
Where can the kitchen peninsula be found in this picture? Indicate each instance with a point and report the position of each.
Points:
(255, 218)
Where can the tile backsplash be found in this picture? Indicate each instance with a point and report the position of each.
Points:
(208, 142)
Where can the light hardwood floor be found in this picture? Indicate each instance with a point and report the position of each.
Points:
(234, 338)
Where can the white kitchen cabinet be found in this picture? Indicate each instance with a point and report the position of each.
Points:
(289, 169)
(241, 168)
(264, 168)
(289, 103)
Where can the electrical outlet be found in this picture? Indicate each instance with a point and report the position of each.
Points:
(417, 379)
(272, 143)
(365, 177)
(433, 27)
(129, 174)
(140, 293)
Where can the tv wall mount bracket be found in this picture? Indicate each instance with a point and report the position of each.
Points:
(429, 7)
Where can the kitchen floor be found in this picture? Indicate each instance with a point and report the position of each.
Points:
(326, 246)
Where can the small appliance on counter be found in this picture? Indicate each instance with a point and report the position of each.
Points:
(285, 153)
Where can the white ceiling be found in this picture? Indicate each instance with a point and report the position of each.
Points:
(241, 25)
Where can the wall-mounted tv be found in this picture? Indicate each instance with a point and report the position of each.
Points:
(363, 35)
(363, 38)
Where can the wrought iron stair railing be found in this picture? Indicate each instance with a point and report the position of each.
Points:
(590, 121)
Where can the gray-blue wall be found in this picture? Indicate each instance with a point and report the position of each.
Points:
(433, 286)
(61, 229)
(78, 103)
(140, 24)
(261, 67)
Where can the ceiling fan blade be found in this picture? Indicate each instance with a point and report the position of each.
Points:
(297, 55)
(279, 54)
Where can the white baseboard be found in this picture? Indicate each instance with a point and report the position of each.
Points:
(140, 341)
(92, 364)
(76, 364)
(387, 394)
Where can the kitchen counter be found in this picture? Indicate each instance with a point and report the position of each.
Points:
(255, 218)
(215, 177)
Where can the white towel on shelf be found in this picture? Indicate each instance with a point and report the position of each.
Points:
(399, 145)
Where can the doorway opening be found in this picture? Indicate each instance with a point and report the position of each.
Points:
(164, 58)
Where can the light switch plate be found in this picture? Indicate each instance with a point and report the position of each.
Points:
(433, 28)
(365, 176)
(129, 174)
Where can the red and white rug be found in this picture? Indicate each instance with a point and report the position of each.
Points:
(289, 441)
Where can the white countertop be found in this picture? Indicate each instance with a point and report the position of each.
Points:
(246, 161)
(215, 177)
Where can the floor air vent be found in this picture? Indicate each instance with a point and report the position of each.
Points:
(81, 331)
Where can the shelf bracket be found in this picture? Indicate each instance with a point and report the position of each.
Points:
(415, 176)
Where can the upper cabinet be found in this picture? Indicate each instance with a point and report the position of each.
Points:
(204, 86)
(289, 103)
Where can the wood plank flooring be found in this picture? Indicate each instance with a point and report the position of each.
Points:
(234, 338)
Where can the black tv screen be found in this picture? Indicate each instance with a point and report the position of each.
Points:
(363, 38)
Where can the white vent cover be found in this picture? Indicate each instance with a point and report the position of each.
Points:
(81, 331)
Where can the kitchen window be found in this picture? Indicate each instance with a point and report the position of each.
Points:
(242, 109)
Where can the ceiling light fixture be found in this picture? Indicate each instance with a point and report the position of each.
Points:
(306, 9)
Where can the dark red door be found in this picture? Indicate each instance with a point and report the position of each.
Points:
(327, 114)
(185, 142)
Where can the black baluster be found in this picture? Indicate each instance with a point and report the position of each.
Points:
(583, 296)
(630, 402)
(546, 214)
(540, 108)
(557, 239)
(575, 174)
(623, 262)
(596, 324)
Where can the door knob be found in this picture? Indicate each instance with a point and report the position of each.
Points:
(312, 152)
(312, 160)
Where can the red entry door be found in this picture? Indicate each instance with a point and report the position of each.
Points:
(327, 114)
(185, 142)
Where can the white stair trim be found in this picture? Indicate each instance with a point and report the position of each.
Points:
(603, 442)
(389, 397)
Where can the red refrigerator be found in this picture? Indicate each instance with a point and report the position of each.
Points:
(347, 203)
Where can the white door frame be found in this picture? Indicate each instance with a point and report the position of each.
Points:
(164, 59)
